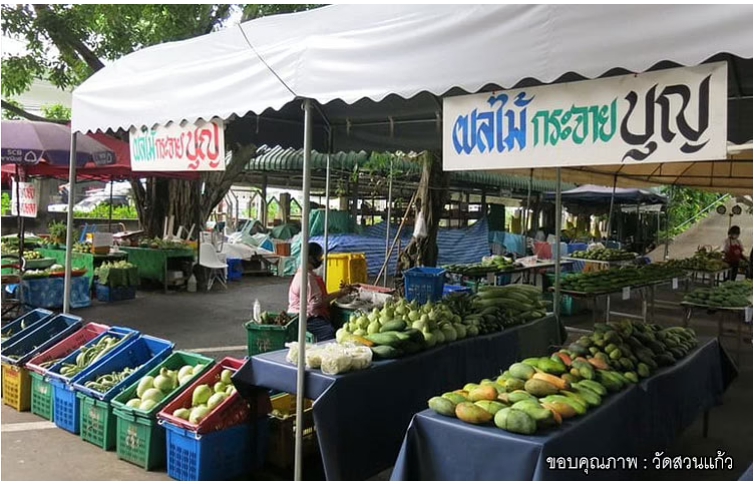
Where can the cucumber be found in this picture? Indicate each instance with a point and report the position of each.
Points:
(386, 352)
(394, 325)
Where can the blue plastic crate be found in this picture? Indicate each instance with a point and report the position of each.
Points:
(112, 294)
(40, 338)
(125, 335)
(65, 407)
(424, 284)
(146, 351)
(217, 456)
(32, 318)
(448, 289)
(235, 269)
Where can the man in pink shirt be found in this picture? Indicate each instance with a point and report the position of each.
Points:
(318, 304)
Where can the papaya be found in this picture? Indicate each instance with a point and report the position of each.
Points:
(454, 397)
(515, 421)
(522, 371)
(513, 384)
(473, 414)
(443, 406)
(483, 392)
(540, 388)
(491, 407)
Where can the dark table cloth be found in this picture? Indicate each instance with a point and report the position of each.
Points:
(633, 424)
(361, 417)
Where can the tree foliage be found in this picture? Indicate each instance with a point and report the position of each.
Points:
(685, 205)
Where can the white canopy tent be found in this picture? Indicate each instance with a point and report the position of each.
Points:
(375, 74)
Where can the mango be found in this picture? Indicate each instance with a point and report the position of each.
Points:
(522, 371)
(540, 388)
(503, 397)
(519, 395)
(483, 392)
(454, 397)
(491, 407)
(473, 414)
(500, 388)
(506, 374)
(515, 421)
(542, 415)
(443, 406)
(553, 367)
(562, 408)
(513, 384)
(463, 393)
(470, 386)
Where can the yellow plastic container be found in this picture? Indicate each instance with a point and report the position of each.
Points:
(16, 387)
(345, 268)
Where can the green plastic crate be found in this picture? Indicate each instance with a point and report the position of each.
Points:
(139, 439)
(98, 422)
(263, 338)
(42, 400)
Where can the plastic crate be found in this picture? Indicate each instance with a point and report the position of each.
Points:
(235, 269)
(263, 338)
(145, 352)
(232, 411)
(113, 294)
(448, 289)
(42, 337)
(126, 335)
(424, 284)
(346, 269)
(66, 347)
(65, 407)
(30, 320)
(139, 439)
(42, 401)
(97, 422)
(282, 435)
(217, 456)
(16, 387)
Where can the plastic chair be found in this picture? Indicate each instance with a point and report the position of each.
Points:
(12, 306)
(218, 270)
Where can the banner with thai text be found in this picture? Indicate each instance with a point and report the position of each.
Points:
(193, 147)
(28, 197)
(661, 116)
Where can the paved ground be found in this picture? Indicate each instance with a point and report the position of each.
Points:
(212, 324)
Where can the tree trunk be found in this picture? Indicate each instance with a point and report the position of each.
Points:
(433, 192)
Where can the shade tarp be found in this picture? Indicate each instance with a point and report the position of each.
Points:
(594, 194)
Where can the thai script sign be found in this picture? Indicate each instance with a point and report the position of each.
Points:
(28, 198)
(662, 116)
(193, 147)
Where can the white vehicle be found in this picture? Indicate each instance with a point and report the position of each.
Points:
(88, 204)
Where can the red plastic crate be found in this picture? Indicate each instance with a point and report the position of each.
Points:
(67, 346)
(232, 411)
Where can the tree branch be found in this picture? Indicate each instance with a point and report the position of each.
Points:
(25, 114)
(64, 39)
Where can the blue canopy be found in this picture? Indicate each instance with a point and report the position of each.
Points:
(602, 195)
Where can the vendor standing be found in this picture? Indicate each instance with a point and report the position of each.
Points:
(318, 306)
(733, 251)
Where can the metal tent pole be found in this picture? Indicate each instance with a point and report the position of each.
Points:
(527, 216)
(558, 217)
(69, 226)
(297, 472)
(327, 211)
(387, 227)
(110, 219)
(610, 213)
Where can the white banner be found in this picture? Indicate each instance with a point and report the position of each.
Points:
(662, 116)
(194, 147)
(28, 195)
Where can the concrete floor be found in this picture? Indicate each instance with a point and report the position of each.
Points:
(212, 324)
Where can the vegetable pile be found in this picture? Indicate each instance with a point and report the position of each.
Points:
(616, 278)
(105, 383)
(730, 294)
(604, 254)
(703, 260)
(492, 265)
(206, 398)
(152, 390)
(89, 355)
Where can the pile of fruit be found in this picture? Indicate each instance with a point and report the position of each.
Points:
(158, 243)
(105, 383)
(616, 278)
(539, 393)
(279, 319)
(152, 390)
(206, 398)
(493, 265)
(6, 333)
(82, 247)
(89, 355)
(604, 254)
(403, 327)
(731, 294)
(704, 259)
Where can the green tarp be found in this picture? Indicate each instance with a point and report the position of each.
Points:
(284, 232)
(152, 263)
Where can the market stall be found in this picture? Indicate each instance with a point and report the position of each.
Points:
(157, 264)
(84, 260)
(405, 383)
(625, 428)
(47, 292)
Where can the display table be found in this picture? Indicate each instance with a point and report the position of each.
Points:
(633, 424)
(48, 292)
(706, 278)
(83, 260)
(737, 316)
(153, 264)
(361, 417)
(527, 274)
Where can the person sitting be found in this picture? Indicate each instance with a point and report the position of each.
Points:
(318, 300)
